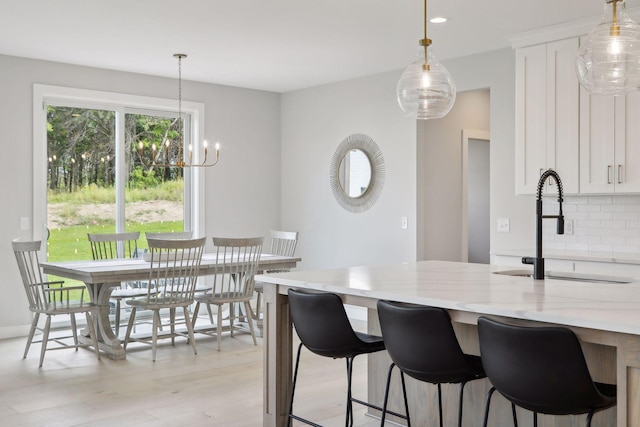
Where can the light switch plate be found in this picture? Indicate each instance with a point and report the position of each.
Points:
(404, 223)
(503, 225)
(24, 223)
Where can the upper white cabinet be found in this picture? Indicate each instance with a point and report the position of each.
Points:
(609, 143)
(547, 115)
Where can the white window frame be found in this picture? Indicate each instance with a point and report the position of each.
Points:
(194, 203)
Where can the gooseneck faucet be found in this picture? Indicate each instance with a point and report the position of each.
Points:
(538, 261)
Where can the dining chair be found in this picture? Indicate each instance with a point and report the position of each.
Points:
(541, 369)
(51, 299)
(173, 273)
(323, 327)
(113, 246)
(282, 243)
(422, 343)
(233, 284)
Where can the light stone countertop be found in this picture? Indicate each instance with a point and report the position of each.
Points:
(473, 288)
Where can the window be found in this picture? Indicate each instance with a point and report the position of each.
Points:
(85, 148)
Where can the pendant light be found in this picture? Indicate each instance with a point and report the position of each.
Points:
(426, 89)
(608, 61)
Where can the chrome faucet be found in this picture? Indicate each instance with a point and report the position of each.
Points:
(538, 261)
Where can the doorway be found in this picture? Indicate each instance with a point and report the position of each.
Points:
(475, 196)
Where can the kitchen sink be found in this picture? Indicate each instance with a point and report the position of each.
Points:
(567, 275)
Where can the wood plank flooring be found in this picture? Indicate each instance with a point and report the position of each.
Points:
(208, 389)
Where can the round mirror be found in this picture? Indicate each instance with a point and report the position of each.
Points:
(357, 173)
(354, 173)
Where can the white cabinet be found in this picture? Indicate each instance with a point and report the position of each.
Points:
(609, 143)
(547, 115)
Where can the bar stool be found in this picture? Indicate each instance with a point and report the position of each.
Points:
(422, 344)
(323, 327)
(541, 369)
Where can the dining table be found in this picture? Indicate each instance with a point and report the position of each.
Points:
(604, 315)
(102, 276)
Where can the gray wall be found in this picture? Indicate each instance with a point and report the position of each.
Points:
(242, 192)
(314, 122)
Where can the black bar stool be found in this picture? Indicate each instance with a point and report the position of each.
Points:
(541, 369)
(422, 344)
(323, 327)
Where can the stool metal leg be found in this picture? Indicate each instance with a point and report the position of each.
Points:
(487, 406)
(460, 404)
(515, 417)
(384, 409)
(440, 403)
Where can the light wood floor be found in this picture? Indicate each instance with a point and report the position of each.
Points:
(208, 389)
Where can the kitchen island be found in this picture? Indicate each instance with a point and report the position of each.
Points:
(605, 316)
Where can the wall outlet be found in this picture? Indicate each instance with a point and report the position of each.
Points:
(503, 225)
(568, 226)
(404, 223)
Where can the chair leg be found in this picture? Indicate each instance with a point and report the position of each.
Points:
(349, 415)
(589, 417)
(190, 330)
(45, 339)
(293, 386)
(195, 314)
(219, 325)
(247, 307)
(92, 333)
(74, 329)
(460, 404)
(440, 402)
(487, 405)
(232, 316)
(515, 416)
(535, 419)
(386, 397)
(154, 333)
(32, 331)
(172, 325)
(132, 318)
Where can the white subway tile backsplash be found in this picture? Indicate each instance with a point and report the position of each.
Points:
(600, 224)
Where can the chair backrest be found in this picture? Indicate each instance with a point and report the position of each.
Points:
(282, 243)
(422, 343)
(173, 269)
(236, 266)
(29, 265)
(321, 322)
(114, 245)
(169, 235)
(541, 369)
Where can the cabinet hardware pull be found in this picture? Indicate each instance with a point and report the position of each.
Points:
(609, 167)
(619, 174)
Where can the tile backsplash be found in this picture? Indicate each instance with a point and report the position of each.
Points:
(600, 224)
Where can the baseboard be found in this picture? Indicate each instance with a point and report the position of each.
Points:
(14, 331)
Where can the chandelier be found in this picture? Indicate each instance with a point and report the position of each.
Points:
(608, 62)
(426, 89)
(181, 163)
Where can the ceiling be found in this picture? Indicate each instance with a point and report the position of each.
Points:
(273, 45)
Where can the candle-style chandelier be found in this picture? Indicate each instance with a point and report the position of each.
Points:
(180, 163)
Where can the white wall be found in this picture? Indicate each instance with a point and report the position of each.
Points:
(314, 122)
(242, 192)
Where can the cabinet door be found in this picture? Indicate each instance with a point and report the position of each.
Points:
(531, 76)
(627, 148)
(597, 138)
(563, 116)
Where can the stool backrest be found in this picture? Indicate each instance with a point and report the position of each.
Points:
(421, 342)
(321, 322)
(541, 369)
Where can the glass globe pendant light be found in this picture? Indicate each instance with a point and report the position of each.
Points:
(426, 89)
(608, 61)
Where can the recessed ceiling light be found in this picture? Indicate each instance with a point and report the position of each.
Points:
(438, 20)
